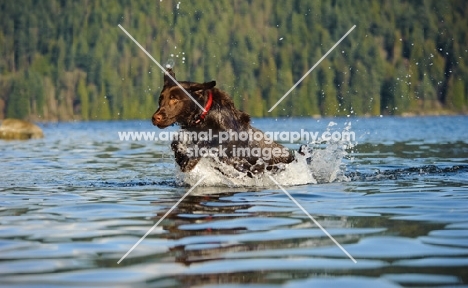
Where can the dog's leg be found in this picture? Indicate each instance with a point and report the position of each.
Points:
(189, 164)
(183, 158)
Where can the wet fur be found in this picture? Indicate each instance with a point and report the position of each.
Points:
(175, 107)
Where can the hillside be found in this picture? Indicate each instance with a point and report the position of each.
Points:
(65, 60)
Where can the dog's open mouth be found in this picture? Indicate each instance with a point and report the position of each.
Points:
(162, 125)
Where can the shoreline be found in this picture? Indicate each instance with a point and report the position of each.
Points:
(317, 117)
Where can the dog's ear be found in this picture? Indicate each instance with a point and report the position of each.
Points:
(245, 118)
(167, 80)
(202, 86)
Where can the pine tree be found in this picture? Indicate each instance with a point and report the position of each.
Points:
(84, 99)
(457, 95)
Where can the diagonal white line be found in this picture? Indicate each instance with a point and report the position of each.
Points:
(312, 218)
(160, 220)
(162, 68)
(310, 70)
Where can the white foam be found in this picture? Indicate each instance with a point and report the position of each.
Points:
(323, 163)
(294, 173)
(325, 166)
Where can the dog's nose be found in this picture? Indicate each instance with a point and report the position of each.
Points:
(157, 118)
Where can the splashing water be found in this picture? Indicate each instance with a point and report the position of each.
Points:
(327, 156)
(170, 63)
(321, 161)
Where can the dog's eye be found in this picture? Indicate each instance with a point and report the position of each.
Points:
(171, 97)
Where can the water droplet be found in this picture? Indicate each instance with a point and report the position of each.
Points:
(170, 63)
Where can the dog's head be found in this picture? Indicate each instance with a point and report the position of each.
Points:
(175, 106)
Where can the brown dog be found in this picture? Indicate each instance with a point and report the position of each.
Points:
(225, 125)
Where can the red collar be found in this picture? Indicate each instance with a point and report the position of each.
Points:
(207, 107)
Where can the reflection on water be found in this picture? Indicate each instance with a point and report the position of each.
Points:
(74, 203)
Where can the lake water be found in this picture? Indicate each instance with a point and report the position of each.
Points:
(72, 204)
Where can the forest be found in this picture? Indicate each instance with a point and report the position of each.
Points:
(68, 60)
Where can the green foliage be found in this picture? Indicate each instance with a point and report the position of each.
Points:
(84, 99)
(457, 96)
(18, 104)
(63, 60)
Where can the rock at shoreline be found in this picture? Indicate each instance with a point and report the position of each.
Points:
(15, 129)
